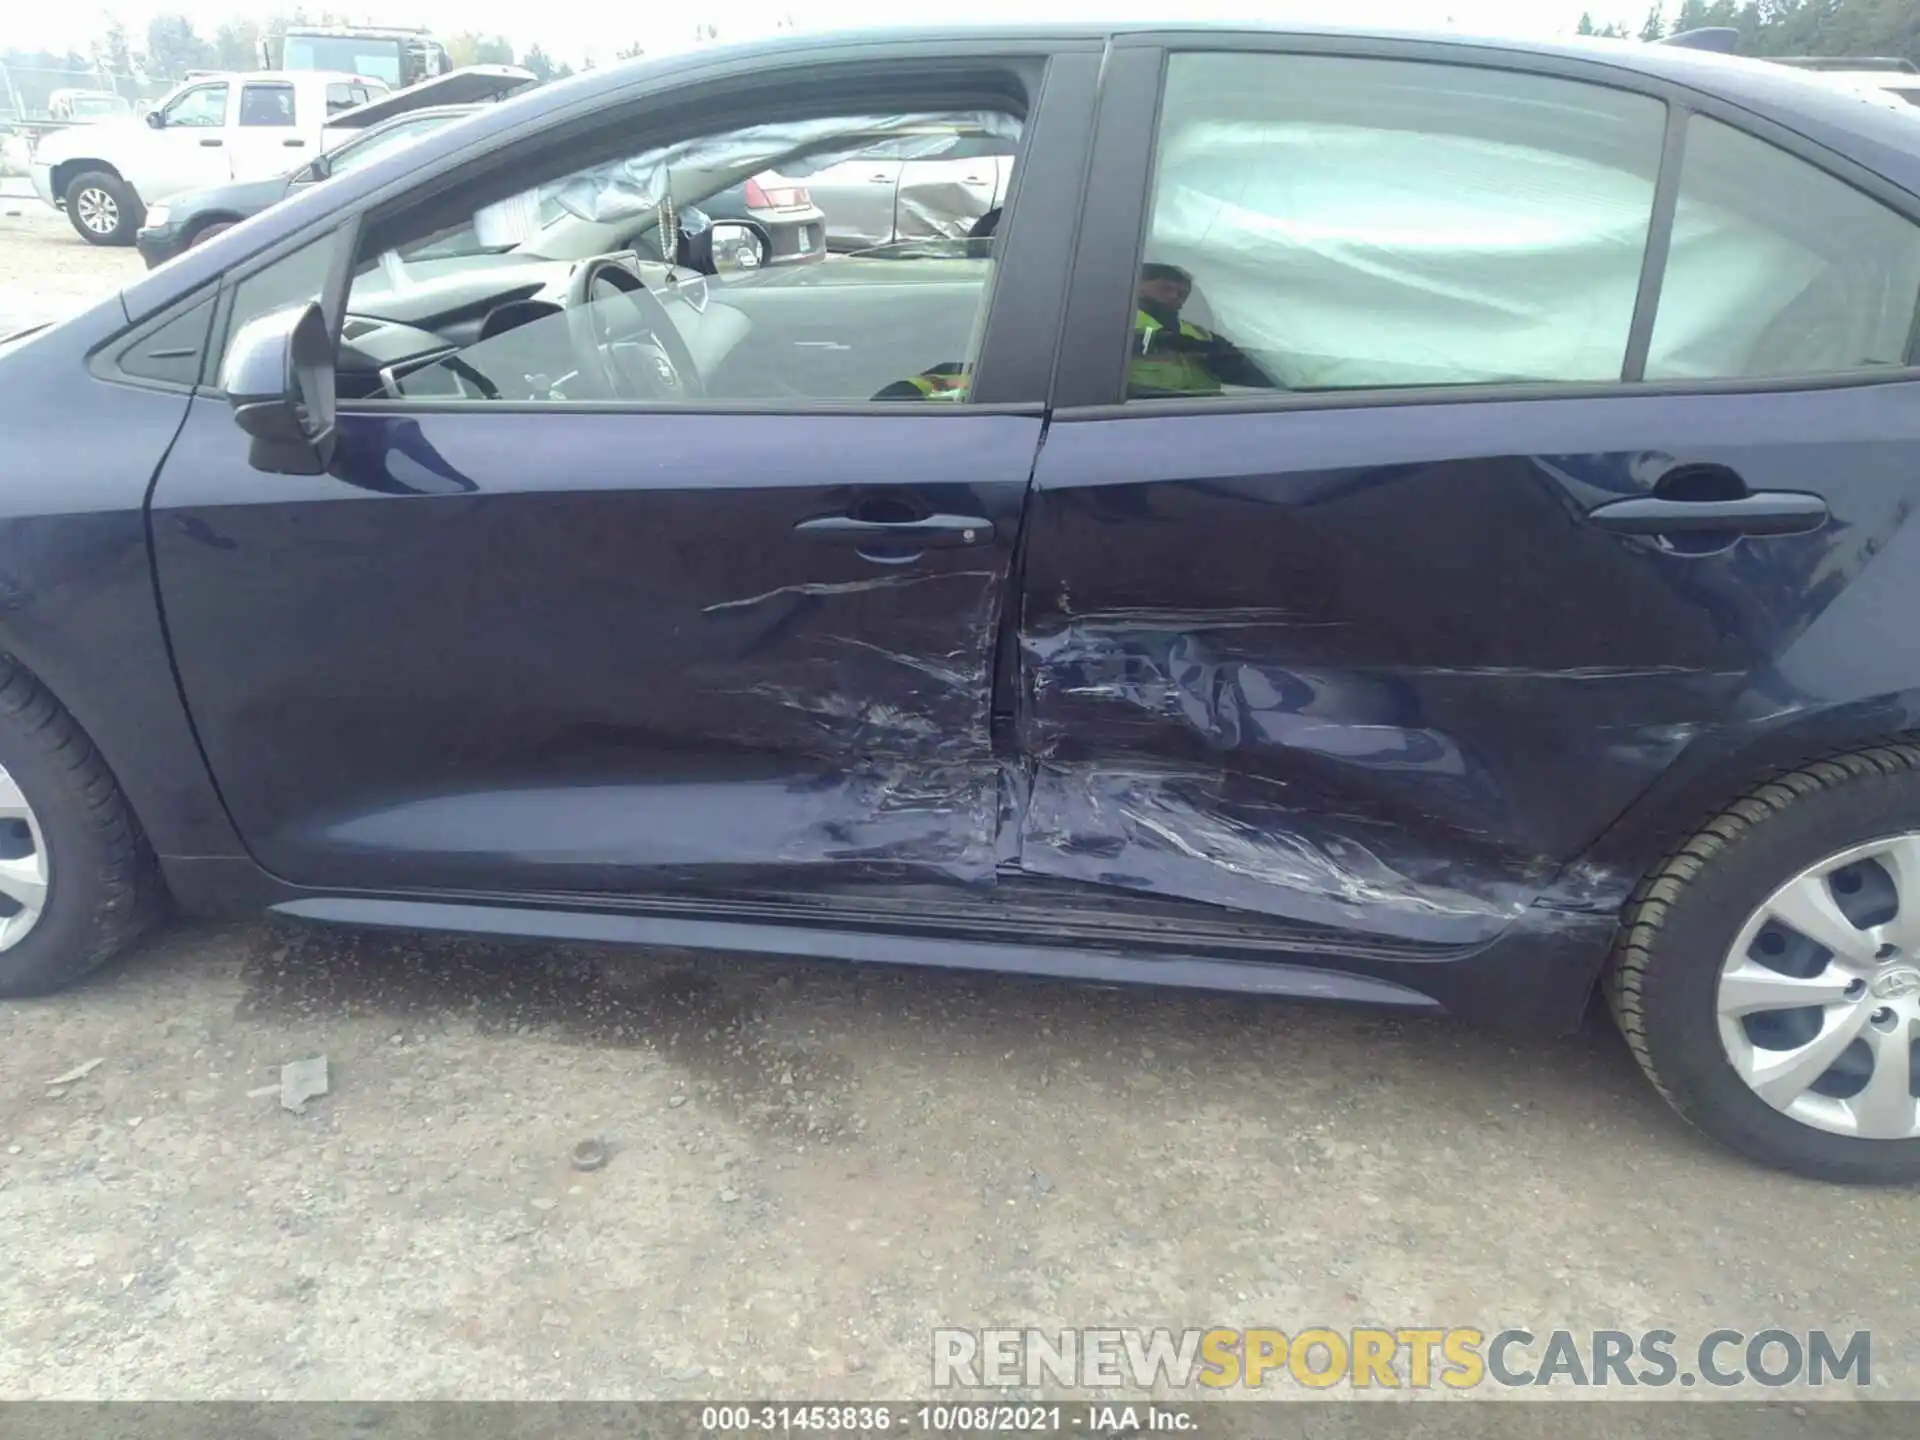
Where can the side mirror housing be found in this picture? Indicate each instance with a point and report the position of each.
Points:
(729, 247)
(319, 168)
(278, 377)
(156, 120)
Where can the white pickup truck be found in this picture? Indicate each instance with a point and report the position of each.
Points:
(212, 129)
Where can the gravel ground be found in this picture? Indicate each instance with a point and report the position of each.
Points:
(811, 1166)
(46, 270)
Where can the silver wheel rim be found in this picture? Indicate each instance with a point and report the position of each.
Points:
(23, 865)
(99, 212)
(1819, 996)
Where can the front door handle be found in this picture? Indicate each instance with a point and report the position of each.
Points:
(294, 144)
(924, 534)
(1765, 512)
(212, 144)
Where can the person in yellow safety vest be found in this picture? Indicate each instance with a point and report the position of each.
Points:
(1175, 357)
(1170, 357)
(942, 382)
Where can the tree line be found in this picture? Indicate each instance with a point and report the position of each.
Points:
(173, 45)
(1787, 27)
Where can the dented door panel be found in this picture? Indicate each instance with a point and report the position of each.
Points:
(592, 652)
(1375, 668)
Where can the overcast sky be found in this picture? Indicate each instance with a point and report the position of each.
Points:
(573, 29)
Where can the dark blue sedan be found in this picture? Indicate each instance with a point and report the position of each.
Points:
(1429, 526)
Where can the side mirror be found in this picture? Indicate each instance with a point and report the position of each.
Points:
(278, 376)
(734, 247)
(156, 120)
(314, 171)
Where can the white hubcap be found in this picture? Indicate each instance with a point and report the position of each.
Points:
(23, 865)
(1819, 997)
(99, 212)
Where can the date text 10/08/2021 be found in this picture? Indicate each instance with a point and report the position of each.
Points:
(960, 1419)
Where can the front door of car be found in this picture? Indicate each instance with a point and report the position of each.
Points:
(729, 640)
(189, 149)
(1379, 594)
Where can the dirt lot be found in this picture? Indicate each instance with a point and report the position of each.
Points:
(812, 1166)
(45, 269)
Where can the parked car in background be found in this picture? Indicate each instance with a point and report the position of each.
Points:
(82, 107)
(224, 127)
(16, 149)
(186, 220)
(898, 192)
(1387, 518)
(230, 127)
(782, 210)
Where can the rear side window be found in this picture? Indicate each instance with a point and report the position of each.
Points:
(1778, 268)
(266, 105)
(1324, 223)
(346, 97)
(171, 353)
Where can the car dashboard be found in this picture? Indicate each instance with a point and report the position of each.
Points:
(500, 332)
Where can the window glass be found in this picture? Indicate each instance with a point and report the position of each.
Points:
(361, 152)
(203, 105)
(740, 304)
(171, 353)
(1778, 268)
(1321, 223)
(266, 105)
(293, 279)
(341, 96)
(372, 56)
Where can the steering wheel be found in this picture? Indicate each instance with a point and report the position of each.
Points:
(646, 360)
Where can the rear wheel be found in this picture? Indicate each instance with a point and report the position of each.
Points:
(1768, 975)
(103, 208)
(77, 879)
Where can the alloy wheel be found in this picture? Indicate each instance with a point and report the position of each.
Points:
(23, 865)
(98, 210)
(1819, 997)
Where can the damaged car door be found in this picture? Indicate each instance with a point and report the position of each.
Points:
(1424, 535)
(573, 608)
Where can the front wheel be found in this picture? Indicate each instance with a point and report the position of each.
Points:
(207, 232)
(1767, 976)
(103, 208)
(77, 879)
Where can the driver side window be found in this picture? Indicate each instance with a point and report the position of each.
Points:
(199, 108)
(692, 269)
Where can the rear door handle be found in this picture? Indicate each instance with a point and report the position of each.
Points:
(212, 144)
(928, 533)
(1766, 512)
(879, 179)
(294, 144)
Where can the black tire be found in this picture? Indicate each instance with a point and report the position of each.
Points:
(207, 232)
(1662, 979)
(85, 193)
(104, 886)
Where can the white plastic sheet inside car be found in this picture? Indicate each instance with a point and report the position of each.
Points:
(1356, 223)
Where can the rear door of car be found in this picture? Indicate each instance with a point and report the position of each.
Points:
(1590, 396)
(271, 130)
